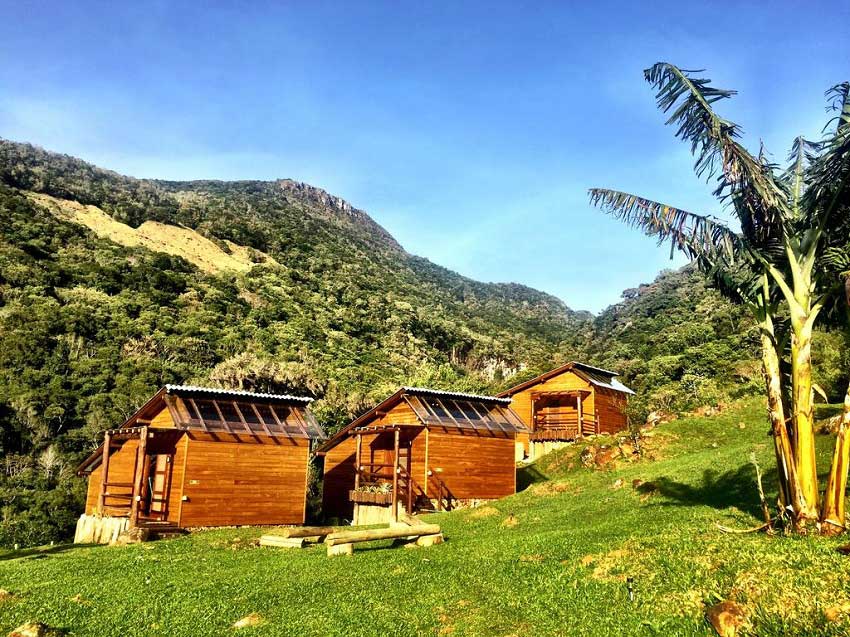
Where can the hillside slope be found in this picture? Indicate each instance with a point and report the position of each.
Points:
(554, 559)
(112, 286)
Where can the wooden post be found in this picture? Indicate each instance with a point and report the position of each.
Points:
(407, 470)
(578, 408)
(141, 458)
(107, 442)
(427, 471)
(395, 477)
(357, 461)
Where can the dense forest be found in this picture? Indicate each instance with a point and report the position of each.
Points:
(323, 302)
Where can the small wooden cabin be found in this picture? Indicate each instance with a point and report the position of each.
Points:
(420, 449)
(566, 403)
(196, 456)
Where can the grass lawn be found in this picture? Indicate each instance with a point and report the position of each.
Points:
(551, 560)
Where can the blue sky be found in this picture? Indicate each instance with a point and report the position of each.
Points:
(471, 131)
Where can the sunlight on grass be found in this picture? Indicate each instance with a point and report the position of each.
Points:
(554, 559)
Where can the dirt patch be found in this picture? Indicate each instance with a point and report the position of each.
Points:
(483, 512)
(205, 254)
(554, 488)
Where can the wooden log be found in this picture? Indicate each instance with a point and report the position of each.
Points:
(348, 537)
(340, 549)
(282, 542)
(307, 531)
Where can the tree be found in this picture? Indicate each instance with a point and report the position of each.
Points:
(787, 220)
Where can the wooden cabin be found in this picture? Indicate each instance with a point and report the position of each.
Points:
(420, 449)
(196, 456)
(566, 403)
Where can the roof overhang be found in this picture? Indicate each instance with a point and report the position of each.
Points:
(423, 417)
(593, 375)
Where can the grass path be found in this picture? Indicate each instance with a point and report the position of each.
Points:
(551, 560)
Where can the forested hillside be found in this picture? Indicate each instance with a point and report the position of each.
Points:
(112, 286)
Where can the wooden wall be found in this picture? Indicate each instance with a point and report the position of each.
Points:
(611, 410)
(162, 420)
(241, 479)
(339, 479)
(178, 466)
(473, 466)
(122, 468)
(607, 405)
(521, 401)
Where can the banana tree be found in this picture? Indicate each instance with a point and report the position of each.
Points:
(786, 220)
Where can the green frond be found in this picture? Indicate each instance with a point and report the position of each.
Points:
(697, 236)
(827, 196)
(749, 184)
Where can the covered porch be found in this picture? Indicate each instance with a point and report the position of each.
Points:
(562, 415)
(134, 467)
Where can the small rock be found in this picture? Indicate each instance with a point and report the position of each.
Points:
(588, 456)
(714, 445)
(254, 619)
(135, 535)
(742, 425)
(726, 618)
(618, 484)
(32, 629)
(605, 456)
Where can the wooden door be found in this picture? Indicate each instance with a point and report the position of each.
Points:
(159, 484)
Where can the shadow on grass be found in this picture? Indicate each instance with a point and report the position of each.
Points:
(41, 552)
(720, 490)
(528, 475)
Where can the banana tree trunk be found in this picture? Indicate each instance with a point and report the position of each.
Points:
(832, 513)
(803, 416)
(789, 486)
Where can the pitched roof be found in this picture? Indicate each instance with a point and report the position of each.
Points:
(180, 390)
(424, 391)
(594, 375)
(215, 410)
(430, 409)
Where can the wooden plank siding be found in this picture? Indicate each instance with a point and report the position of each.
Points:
(601, 405)
(473, 467)
(178, 467)
(611, 410)
(162, 420)
(122, 469)
(339, 479)
(244, 480)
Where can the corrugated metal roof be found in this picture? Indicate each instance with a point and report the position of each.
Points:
(424, 391)
(604, 380)
(595, 375)
(215, 391)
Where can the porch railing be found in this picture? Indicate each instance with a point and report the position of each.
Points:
(562, 427)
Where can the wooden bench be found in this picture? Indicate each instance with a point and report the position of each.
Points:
(342, 542)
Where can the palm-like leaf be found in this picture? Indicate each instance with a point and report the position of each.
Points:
(718, 251)
(749, 184)
(697, 236)
(828, 175)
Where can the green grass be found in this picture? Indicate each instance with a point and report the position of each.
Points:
(559, 567)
